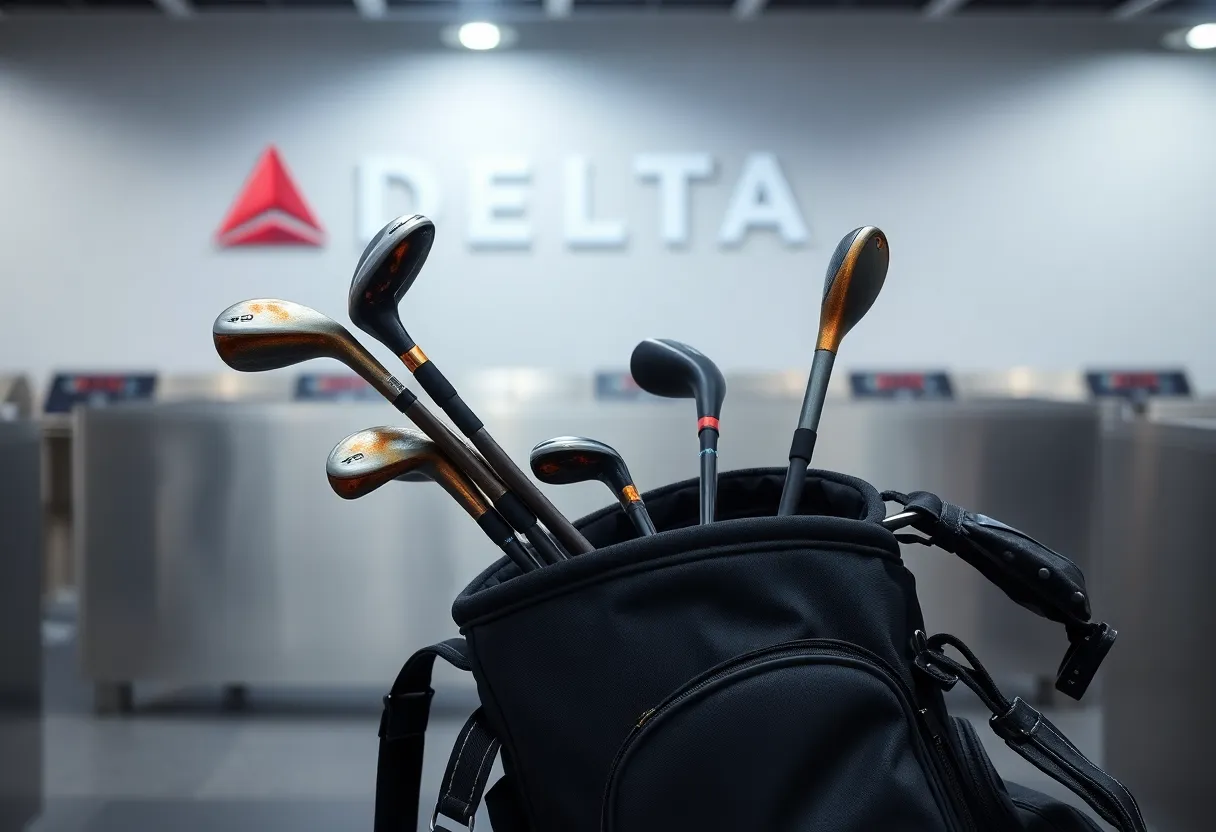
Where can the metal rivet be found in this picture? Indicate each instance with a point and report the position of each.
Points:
(1078, 598)
(1007, 555)
(1044, 574)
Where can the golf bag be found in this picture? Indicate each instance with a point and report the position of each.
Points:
(760, 673)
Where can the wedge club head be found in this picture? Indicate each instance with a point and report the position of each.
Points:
(268, 334)
(569, 459)
(386, 270)
(663, 367)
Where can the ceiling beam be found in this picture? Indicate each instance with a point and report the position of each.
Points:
(558, 8)
(943, 8)
(176, 8)
(372, 8)
(1135, 8)
(749, 8)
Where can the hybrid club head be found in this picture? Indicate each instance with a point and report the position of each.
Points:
(569, 459)
(268, 334)
(386, 270)
(364, 461)
(855, 276)
(663, 367)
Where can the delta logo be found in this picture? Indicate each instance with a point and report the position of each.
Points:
(269, 210)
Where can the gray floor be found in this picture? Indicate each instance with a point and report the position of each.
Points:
(288, 761)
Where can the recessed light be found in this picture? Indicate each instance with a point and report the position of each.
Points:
(1196, 38)
(479, 36)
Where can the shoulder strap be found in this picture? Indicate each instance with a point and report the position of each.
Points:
(1031, 734)
(403, 724)
(468, 771)
(1033, 575)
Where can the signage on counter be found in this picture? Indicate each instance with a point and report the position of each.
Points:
(901, 385)
(334, 388)
(1137, 384)
(97, 390)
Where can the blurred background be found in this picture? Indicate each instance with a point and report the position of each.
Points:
(196, 631)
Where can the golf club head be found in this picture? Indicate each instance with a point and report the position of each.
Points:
(267, 334)
(663, 367)
(856, 273)
(385, 272)
(569, 459)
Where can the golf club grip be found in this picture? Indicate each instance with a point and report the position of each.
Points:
(532, 497)
(709, 474)
(791, 494)
(497, 530)
(546, 549)
(641, 518)
(444, 394)
(461, 455)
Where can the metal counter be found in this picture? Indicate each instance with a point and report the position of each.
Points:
(1158, 580)
(20, 626)
(213, 551)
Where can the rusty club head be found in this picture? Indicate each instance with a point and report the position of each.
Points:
(267, 334)
(364, 461)
(855, 276)
(387, 269)
(568, 459)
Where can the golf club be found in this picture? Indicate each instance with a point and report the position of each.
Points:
(268, 334)
(568, 459)
(856, 273)
(386, 270)
(364, 461)
(663, 367)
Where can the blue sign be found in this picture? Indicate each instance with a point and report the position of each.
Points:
(97, 390)
(1137, 384)
(902, 385)
(334, 388)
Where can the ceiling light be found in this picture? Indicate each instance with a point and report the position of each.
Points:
(479, 36)
(1202, 36)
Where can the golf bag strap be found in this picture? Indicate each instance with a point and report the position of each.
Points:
(1030, 734)
(1031, 574)
(468, 772)
(403, 724)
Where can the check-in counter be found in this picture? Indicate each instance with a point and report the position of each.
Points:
(21, 785)
(1160, 682)
(213, 551)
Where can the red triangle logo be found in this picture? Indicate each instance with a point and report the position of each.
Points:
(270, 210)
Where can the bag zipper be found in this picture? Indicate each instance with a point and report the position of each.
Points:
(824, 647)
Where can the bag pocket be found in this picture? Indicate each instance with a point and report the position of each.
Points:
(991, 804)
(806, 735)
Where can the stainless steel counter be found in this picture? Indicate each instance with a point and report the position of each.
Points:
(1158, 581)
(213, 551)
(20, 626)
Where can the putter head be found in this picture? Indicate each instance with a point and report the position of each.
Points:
(385, 272)
(364, 461)
(856, 273)
(663, 367)
(266, 334)
(568, 459)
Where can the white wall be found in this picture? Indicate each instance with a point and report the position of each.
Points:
(1048, 189)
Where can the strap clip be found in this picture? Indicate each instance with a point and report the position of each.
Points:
(1088, 646)
(435, 827)
(405, 715)
(924, 662)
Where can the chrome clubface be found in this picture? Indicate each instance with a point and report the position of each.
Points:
(663, 367)
(569, 459)
(386, 270)
(267, 333)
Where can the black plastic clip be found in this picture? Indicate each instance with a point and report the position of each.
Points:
(924, 662)
(405, 715)
(1088, 646)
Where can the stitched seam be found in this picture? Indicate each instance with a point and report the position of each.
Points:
(447, 792)
(480, 768)
(1096, 783)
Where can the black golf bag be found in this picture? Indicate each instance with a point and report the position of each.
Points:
(760, 673)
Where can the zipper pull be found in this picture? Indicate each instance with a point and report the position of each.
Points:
(642, 719)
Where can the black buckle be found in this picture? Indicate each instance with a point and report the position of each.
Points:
(1087, 649)
(405, 715)
(924, 662)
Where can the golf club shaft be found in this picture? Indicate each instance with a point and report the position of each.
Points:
(444, 394)
(499, 531)
(467, 460)
(709, 472)
(639, 516)
(803, 445)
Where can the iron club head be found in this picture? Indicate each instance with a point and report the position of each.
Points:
(387, 269)
(569, 459)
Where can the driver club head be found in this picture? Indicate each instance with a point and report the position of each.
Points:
(569, 459)
(855, 276)
(674, 370)
(268, 334)
(364, 461)
(386, 270)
